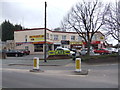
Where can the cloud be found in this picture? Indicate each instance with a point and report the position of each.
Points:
(30, 13)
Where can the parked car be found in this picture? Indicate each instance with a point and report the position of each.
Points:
(15, 53)
(25, 51)
(112, 50)
(117, 50)
(60, 48)
(102, 51)
(84, 51)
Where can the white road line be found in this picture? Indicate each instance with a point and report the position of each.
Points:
(105, 64)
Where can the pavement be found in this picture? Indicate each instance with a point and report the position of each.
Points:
(28, 61)
(28, 57)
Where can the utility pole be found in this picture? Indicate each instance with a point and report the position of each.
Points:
(45, 34)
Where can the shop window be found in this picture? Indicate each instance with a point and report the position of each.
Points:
(72, 37)
(38, 47)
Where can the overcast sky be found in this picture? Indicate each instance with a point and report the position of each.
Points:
(30, 13)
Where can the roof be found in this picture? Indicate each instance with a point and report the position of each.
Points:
(31, 29)
(51, 30)
(42, 29)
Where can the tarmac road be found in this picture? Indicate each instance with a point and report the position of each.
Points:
(59, 76)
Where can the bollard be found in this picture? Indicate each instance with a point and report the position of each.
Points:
(35, 65)
(78, 64)
(78, 70)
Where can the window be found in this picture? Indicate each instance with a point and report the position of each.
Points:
(18, 44)
(72, 37)
(94, 37)
(38, 47)
(47, 36)
(26, 47)
(51, 36)
(25, 38)
(63, 37)
(79, 38)
(55, 37)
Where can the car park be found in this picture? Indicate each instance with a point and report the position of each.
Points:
(15, 53)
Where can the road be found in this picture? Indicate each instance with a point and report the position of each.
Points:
(61, 76)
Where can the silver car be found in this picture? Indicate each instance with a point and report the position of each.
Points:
(84, 51)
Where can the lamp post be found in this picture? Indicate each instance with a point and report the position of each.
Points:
(45, 34)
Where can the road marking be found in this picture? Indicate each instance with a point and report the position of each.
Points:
(78, 75)
(105, 64)
(70, 64)
(8, 69)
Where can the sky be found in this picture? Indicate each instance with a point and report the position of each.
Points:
(30, 13)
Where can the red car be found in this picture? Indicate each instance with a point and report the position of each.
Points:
(101, 51)
(25, 51)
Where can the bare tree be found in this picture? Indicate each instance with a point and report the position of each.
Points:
(112, 21)
(86, 18)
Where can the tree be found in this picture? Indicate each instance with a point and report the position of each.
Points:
(86, 18)
(7, 31)
(18, 27)
(57, 29)
(112, 21)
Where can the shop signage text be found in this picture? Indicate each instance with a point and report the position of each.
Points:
(76, 43)
(37, 38)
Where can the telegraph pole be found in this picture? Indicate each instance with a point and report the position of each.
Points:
(45, 34)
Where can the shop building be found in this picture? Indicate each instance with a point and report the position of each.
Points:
(33, 39)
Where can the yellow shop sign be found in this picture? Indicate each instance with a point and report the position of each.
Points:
(76, 43)
(37, 38)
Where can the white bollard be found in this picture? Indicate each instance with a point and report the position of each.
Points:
(78, 64)
(36, 63)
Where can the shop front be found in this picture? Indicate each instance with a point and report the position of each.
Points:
(76, 45)
(95, 44)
